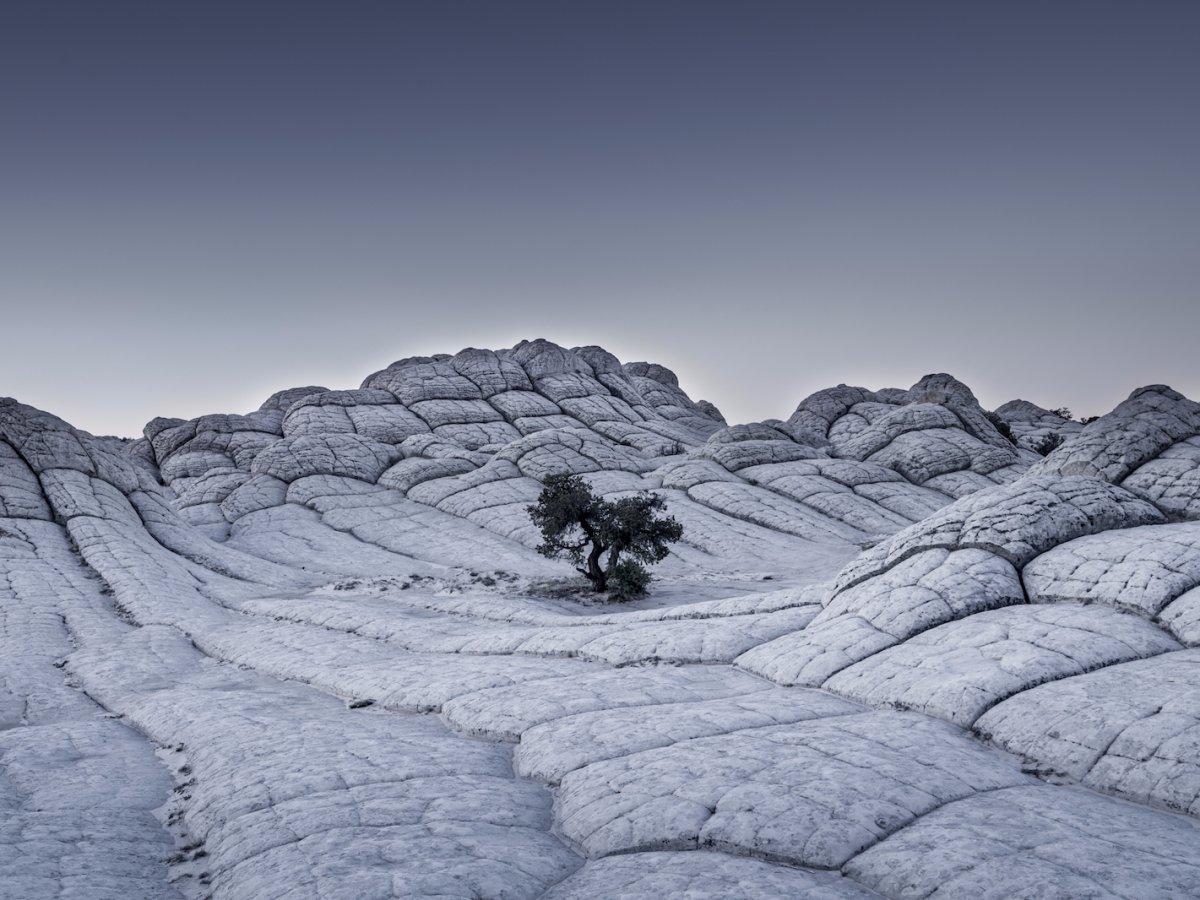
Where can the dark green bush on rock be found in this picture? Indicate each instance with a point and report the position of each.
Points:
(1049, 444)
(627, 579)
(1000, 425)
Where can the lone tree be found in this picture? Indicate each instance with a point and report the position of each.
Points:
(593, 533)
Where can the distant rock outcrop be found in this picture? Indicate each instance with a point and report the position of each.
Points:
(1032, 426)
(471, 434)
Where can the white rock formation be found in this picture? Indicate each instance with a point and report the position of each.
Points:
(311, 651)
(1032, 427)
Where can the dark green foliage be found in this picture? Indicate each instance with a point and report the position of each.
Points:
(1088, 420)
(594, 533)
(1048, 444)
(1000, 425)
(627, 579)
(568, 514)
(1062, 412)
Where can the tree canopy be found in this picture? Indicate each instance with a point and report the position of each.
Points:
(594, 533)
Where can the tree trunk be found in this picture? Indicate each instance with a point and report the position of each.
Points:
(613, 554)
(597, 576)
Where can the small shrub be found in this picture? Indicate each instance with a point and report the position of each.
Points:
(627, 580)
(1000, 425)
(1048, 444)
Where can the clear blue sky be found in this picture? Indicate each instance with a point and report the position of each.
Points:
(201, 203)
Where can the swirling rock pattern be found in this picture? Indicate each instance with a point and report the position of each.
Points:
(310, 651)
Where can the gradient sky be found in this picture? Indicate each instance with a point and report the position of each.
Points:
(201, 203)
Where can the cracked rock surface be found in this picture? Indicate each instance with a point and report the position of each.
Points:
(310, 651)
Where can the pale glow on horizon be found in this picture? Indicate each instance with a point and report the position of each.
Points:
(204, 205)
